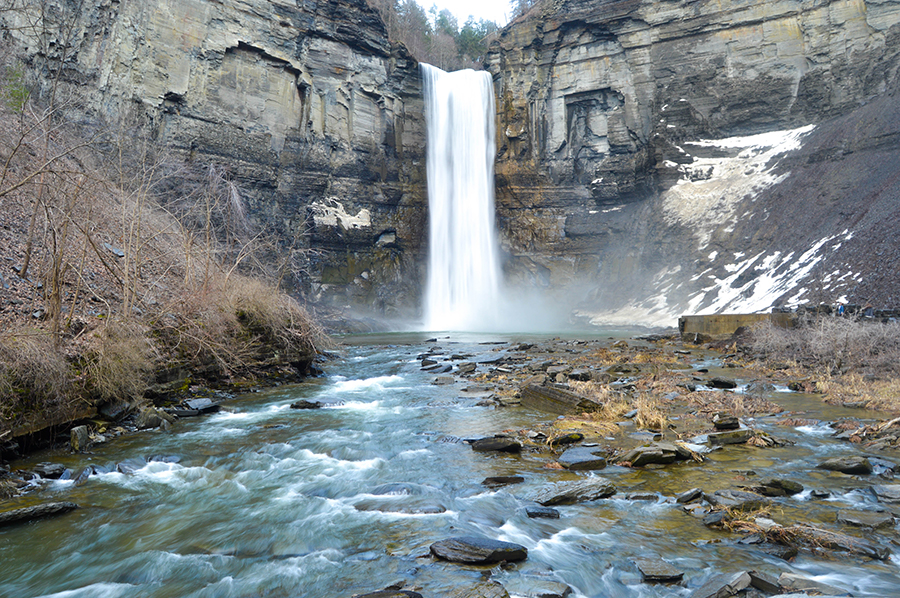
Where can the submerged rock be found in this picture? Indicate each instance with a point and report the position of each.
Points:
(49, 471)
(391, 594)
(738, 436)
(36, 512)
(872, 519)
(777, 487)
(477, 550)
(499, 481)
(304, 404)
(569, 492)
(501, 444)
(792, 581)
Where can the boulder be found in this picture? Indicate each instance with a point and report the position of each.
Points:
(850, 465)
(79, 439)
(583, 458)
(151, 417)
(569, 492)
(721, 383)
(656, 452)
(477, 550)
(202, 405)
(737, 500)
(657, 570)
(36, 512)
(49, 471)
(501, 444)
(466, 368)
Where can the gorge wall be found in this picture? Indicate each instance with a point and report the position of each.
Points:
(655, 157)
(609, 180)
(307, 105)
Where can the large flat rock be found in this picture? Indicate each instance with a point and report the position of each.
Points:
(575, 491)
(478, 550)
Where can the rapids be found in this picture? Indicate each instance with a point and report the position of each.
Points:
(263, 500)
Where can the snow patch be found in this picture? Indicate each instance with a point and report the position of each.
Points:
(710, 188)
(331, 212)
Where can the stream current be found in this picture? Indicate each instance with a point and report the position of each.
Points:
(264, 500)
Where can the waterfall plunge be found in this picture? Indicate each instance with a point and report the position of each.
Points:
(463, 291)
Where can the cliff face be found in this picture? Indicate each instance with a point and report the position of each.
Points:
(318, 119)
(667, 156)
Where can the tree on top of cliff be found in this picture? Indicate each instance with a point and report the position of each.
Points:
(435, 36)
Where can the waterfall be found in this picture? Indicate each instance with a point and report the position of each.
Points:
(463, 266)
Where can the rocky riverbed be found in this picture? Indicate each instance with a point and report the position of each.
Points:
(609, 466)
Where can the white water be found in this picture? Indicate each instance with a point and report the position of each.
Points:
(464, 278)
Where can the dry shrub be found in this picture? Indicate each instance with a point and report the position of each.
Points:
(118, 364)
(833, 344)
(34, 377)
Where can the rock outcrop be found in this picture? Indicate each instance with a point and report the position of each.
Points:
(645, 147)
(315, 115)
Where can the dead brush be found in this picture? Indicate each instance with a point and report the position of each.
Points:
(34, 376)
(118, 362)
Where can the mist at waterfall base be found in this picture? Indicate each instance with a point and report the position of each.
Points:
(465, 290)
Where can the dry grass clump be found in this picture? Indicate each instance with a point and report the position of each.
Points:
(34, 377)
(649, 413)
(119, 363)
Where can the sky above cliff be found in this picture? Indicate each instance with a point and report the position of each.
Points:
(490, 10)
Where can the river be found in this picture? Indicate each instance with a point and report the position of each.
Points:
(264, 500)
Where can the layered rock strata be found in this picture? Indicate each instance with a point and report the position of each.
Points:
(312, 112)
(639, 156)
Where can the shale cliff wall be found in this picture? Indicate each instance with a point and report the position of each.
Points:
(645, 150)
(316, 116)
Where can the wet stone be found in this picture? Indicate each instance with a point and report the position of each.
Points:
(529, 587)
(569, 492)
(689, 496)
(848, 465)
(304, 404)
(644, 496)
(499, 481)
(871, 519)
(541, 513)
(658, 452)
(723, 585)
(799, 583)
(725, 421)
(79, 439)
(888, 493)
(721, 383)
(657, 570)
(763, 582)
(443, 380)
(730, 436)
(583, 458)
(737, 500)
(777, 487)
(486, 589)
(500, 444)
(477, 550)
(49, 471)
(36, 512)
(391, 594)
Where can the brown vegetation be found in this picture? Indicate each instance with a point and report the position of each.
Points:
(849, 360)
(122, 268)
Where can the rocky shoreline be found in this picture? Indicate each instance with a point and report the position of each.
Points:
(644, 404)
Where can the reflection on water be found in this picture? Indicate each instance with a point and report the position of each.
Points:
(263, 500)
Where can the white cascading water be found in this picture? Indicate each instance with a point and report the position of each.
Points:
(464, 277)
